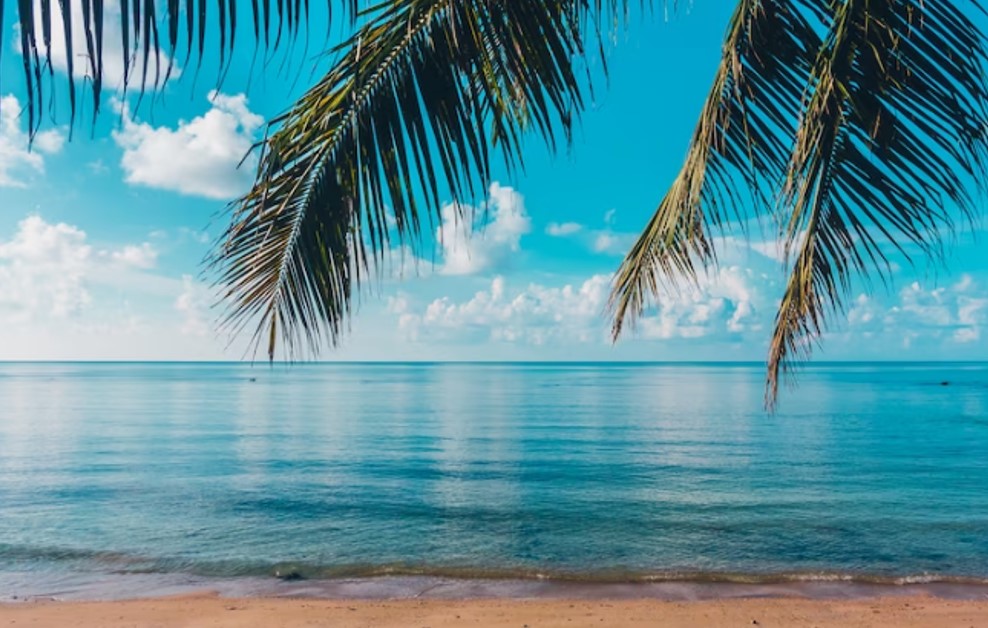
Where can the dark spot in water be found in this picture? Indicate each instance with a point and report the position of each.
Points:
(253, 379)
(945, 383)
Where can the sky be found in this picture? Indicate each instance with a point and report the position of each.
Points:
(102, 235)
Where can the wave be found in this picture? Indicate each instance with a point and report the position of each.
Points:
(120, 563)
(292, 572)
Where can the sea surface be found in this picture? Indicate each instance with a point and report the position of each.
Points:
(119, 480)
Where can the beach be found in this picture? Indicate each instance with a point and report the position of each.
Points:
(209, 610)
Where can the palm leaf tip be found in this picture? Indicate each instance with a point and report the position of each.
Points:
(400, 125)
(732, 155)
(858, 124)
(883, 152)
(147, 36)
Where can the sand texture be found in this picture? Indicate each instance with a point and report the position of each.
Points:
(207, 610)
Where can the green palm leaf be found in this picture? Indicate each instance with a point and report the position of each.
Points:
(141, 24)
(891, 142)
(406, 118)
(880, 108)
(855, 126)
(735, 158)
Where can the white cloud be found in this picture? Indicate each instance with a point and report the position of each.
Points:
(864, 312)
(42, 271)
(723, 304)
(775, 249)
(197, 158)
(143, 256)
(605, 241)
(51, 271)
(97, 167)
(955, 312)
(469, 247)
(113, 66)
(612, 243)
(575, 312)
(535, 315)
(966, 335)
(17, 161)
(926, 307)
(193, 305)
(772, 249)
(49, 142)
(195, 235)
(559, 230)
(62, 297)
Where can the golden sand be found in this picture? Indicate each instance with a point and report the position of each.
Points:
(215, 612)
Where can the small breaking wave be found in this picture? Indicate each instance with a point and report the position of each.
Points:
(121, 563)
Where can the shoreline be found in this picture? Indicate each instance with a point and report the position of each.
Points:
(28, 587)
(209, 609)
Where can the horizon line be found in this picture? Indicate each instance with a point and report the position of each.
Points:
(487, 362)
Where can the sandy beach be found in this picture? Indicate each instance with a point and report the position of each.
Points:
(215, 612)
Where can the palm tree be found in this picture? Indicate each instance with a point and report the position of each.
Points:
(853, 127)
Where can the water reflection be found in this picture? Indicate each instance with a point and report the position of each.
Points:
(231, 470)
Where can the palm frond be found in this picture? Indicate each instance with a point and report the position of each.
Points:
(738, 152)
(858, 125)
(891, 144)
(405, 119)
(149, 32)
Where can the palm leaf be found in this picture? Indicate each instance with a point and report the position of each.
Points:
(891, 143)
(738, 152)
(880, 108)
(140, 28)
(406, 118)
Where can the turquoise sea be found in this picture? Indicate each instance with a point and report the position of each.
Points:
(460, 479)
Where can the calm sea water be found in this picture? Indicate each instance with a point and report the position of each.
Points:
(179, 473)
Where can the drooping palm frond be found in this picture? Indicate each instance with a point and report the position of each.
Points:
(892, 142)
(150, 32)
(406, 118)
(737, 153)
(879, 106)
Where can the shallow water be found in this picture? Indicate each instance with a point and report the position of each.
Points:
(171, 475)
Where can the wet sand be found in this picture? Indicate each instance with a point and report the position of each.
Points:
(207, 610)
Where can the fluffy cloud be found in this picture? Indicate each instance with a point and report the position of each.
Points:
(574, 312)
(960, 310)
(471, 247)
(612, 243)
(193, 305)
(534, 315)
(17, 161)
(775, 249)
(63, 297)
(197, 158)
(113, 68)
(772, 249)
(51, 271)
(955, 313)
(604, 241)
(559, 230)
(143, 256)
(42, 270)
(724, 303)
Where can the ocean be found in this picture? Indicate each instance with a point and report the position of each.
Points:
(121, 479)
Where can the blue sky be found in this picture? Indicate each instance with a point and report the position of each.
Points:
(102, 237)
